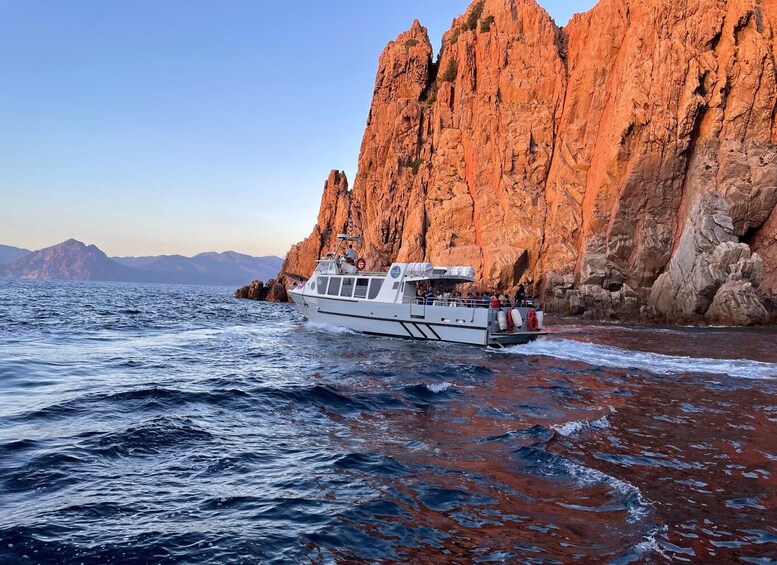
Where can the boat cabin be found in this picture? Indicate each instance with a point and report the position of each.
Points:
(334, 278)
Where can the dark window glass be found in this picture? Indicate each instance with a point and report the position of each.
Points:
(322, 281)
(375, 287)
(334, 286)
(347, 290)
(361, 288)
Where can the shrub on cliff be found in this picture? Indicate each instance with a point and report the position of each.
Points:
(472, 18)
(451, 71)
(485, 25)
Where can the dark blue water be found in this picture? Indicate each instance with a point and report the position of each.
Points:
(162, 424)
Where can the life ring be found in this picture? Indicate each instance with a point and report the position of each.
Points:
(361, 264)
(510, 322)
(532, 321)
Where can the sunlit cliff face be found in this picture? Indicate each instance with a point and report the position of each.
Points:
(570, 159)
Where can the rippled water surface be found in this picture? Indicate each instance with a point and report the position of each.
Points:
(143, 423)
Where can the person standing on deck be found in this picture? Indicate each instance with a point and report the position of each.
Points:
(350, 255)
(520, 295)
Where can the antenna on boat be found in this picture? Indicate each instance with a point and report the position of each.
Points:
(349, 229)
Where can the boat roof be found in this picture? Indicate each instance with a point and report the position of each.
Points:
(409, 272)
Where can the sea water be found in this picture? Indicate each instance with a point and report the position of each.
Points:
(175, 424)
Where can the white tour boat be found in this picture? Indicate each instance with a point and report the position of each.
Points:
(342, 294)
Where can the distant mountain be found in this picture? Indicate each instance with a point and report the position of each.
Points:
(10, 254)
(228, 268)
(71, 260)
(74, 260)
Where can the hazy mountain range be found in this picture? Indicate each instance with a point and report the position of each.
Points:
(74, 260)
(10, 254)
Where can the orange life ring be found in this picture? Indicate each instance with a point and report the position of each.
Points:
(532, 321)
(510, 323)
(361, 264)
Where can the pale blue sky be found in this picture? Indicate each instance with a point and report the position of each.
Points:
(180, 126)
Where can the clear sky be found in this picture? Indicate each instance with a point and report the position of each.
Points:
(181, 126)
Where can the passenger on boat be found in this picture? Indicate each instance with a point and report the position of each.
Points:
(520, 295)
(429, 295)
(495, 303)
(350, 255)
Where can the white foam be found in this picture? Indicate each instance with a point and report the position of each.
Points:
(576, 426)
(439, 387)
(607, 356)
(651, 545)
(588, 476)
(329, 328)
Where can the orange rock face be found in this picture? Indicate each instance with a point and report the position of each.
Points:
(570, 160)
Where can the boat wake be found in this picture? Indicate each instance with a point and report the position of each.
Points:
(328, 328)
(616, 357)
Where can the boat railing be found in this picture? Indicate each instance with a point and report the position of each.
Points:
(465, 302)
(449, 302)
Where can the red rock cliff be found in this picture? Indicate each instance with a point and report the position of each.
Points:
(594, 163)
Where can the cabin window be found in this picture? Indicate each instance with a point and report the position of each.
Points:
(396, 285)
(361, 288)
(334, 286)
(375, 287)
(347, 287)
(322, 282)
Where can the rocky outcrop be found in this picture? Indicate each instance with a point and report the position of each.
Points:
(332, 219)
(271, 291)
(736, 303)
(572, 160)
(710, 268)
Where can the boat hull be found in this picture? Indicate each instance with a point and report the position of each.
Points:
(473, 326)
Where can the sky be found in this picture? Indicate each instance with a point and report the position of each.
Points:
(179, 126)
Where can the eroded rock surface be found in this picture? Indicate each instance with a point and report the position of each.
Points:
(707, 262)
(571, 160)
(271, 291)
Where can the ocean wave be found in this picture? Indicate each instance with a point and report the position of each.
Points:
(530, 437)
(635, 503)
(649, 545)
(576, 426)
(148, 438)
(430, 391)
(149, 398)
(659, 363)
(537, 461)
(439, 387)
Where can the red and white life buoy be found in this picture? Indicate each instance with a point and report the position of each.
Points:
(361, 264)
(532, 321)
(510, 322)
